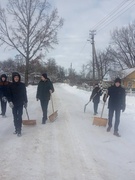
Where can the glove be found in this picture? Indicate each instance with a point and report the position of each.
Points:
(4, 99)
(104, 98)
(25, 105)
(50, 91)
(11, 105)
(123, 108)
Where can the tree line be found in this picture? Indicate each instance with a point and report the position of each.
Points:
(36, 68)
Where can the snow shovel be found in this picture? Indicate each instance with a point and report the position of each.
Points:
(28, 122)
(54, 115)
(99, 121)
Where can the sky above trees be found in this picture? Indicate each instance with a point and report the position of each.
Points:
(79, 18)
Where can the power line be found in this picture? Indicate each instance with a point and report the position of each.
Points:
(109, 15)
(83, 47)
(117, 13)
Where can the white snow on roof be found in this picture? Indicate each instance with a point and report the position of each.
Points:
(126, 72)
(107, 78)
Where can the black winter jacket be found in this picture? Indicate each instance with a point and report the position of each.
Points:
(43, 88)
(4, 86)
(17, 93)
(96, 93)
(116, 97)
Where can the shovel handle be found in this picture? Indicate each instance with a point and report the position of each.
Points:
(102, 110)
(27, 113)
(86, 105)
(52, 102)
(104, 104)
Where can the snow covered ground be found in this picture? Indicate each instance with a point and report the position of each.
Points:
(71, 148)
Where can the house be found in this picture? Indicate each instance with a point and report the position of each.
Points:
(107, 81)
(128, 78)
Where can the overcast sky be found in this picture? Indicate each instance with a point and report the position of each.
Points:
(80, 16)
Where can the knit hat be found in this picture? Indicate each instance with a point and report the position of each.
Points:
(44, 75)
(117, 80)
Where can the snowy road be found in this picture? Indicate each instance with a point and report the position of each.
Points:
(70, 148)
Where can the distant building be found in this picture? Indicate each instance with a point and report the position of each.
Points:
(128, 78)
(107, 81)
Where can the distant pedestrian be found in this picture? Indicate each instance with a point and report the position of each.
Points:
(17, 99)
(3, 93)
(116, 103)
(95, 97)
(44, 90)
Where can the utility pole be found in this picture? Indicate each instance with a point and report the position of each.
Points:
(92, 33)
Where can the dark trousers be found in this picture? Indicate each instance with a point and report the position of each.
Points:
(3, 107)
(117, 118)
(17, 114)
(95, 107)
(44, 106)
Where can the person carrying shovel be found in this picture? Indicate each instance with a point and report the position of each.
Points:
(17, 98)
(95, 96)
(44, 90)
(116, 103)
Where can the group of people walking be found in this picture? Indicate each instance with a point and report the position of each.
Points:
(16, 95)
(116, 103)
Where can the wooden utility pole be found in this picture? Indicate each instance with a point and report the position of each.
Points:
(92, 34)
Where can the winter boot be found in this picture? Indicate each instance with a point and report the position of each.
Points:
(116, 134)
(19, 133)
(43, 120)
(108, 129)
(15, 132)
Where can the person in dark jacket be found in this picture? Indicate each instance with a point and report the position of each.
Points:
(17, 98)
(3, 93)
(116, 103)
(44, 90)
(95, 96)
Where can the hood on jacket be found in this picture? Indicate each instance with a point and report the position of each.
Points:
(16, 74)
(3, 75)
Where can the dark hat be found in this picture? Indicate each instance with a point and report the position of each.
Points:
(16, 74)
(44, 75)
(117, 80)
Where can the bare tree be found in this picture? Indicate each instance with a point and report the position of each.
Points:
(102, 65)
(31, 28)
(123, 46)
(9, 66)
(52, 69)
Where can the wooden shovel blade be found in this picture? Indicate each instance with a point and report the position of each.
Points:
(53, 116)
(98, 121)
(29, 122)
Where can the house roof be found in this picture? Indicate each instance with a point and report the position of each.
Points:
(107, 78)
(126, 72)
